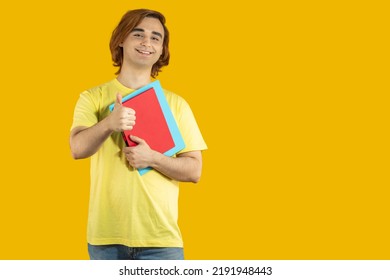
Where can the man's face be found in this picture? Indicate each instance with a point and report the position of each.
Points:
(143, 46)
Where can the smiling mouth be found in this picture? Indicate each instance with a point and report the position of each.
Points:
(144, 52)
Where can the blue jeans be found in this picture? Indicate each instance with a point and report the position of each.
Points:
(121, 252)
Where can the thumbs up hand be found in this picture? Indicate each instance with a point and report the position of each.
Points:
(121, 118)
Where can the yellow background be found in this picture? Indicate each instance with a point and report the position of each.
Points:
(292, 98)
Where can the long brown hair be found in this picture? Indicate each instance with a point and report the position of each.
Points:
(128, 22)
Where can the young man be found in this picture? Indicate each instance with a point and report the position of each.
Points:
(133, 216)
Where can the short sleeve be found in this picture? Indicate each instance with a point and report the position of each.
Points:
(85, 113)
(190, 130)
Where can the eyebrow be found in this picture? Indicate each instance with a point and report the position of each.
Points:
(153, 32)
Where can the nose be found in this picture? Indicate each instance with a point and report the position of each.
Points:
(145, 42)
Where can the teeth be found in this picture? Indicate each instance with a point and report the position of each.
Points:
(143, 52)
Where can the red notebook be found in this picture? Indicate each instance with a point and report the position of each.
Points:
(154, 121)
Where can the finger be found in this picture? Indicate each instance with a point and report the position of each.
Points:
(127, 120)
(136, 139)
(127, 151)
(128, 127)
(118, 99)
(129, 111)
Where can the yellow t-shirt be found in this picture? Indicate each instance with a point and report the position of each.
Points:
(124, 207)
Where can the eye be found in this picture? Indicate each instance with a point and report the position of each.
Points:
(137, 35)
(156, 39)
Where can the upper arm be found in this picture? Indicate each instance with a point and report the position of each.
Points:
(74, 144)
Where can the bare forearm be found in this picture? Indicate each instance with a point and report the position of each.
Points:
(85, 142)
(181, 168)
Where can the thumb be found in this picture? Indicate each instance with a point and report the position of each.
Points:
(118, 100)
(136, 139)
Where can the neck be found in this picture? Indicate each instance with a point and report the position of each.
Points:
(134, 78)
